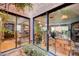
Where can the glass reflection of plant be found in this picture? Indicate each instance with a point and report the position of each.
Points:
(9, 30)
(25, 26)
(5, 31)
(38, 33)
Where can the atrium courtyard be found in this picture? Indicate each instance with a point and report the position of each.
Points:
(39, 29)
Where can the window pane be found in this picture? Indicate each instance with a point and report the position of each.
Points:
(22, 31)
(60, 21)
(7, 32)
(40, 31)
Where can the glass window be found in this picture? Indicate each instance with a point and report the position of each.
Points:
(23, 34)
(14, 31)
(7, 32)
(40, 31)
(60, 41)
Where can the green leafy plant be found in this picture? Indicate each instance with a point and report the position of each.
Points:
(4, 16)
(21, 6)
(18, 6)
(38, 32)
(31, 50)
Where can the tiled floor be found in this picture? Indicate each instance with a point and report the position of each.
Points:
(15, 52)
(18, 52)
(7, 44)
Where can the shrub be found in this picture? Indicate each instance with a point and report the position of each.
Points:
(31, 50)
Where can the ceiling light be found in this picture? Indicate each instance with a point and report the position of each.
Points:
(39, 22)
(0, 18)
(46, 24)
(40, 25)
(64, 17)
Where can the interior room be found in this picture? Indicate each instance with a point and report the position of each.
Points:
(59, 31)
(23, 31)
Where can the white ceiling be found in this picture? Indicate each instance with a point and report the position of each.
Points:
(39, 8)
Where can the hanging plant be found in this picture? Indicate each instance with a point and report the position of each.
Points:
(4, 16)
(21, 6)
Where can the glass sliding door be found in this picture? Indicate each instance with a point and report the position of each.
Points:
(7, 32)
(52, 39)
(40, 31)
(14, 31)
(23, 31)
(61, 41)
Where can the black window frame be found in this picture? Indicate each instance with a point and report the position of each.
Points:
(47, 19)
(16, 16)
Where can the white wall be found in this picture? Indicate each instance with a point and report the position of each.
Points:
(39, 8)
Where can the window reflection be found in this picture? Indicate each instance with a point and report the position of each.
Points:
(14, 31)
(40, 33)
(62, 29)
(7, 32)
(22, 31)
(60, 41)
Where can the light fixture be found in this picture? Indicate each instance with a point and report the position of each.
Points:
(40, 25)
(39, 22)
(45, 24)
(0, 18)
(64, 17)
